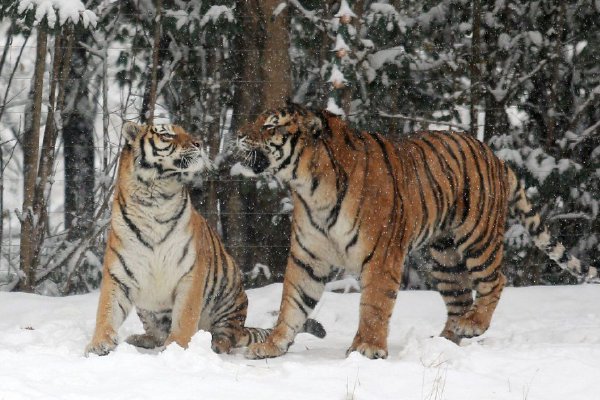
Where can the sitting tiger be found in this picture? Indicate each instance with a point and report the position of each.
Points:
(362, 202)
(161, 255)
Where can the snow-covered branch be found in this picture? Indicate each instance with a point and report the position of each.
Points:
(55, 12)
(424, 120)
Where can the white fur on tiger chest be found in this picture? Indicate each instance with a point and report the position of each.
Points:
(157, 270)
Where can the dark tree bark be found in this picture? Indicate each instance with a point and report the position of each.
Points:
(475, 65)
(555, 83)
(31, 138)
(264, 82)
(154, 72)
(37, 182)
(79, 149)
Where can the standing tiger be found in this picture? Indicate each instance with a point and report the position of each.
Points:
(362, 202)
(161, 255)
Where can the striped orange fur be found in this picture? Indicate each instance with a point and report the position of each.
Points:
(363, 202)
(161, 255)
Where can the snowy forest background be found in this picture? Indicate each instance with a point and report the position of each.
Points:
(523, 75)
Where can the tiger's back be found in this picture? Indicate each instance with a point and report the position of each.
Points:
(363, 202)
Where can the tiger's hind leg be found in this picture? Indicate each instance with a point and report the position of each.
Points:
(488, 281)
(456, 275)
(156, 327)
(452, 282)
(228, 329)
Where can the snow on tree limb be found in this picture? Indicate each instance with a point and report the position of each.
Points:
(56, 12)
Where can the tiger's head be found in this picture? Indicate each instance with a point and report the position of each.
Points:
(164, 153)
(271, 142)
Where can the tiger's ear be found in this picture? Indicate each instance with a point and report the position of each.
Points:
(130, 131)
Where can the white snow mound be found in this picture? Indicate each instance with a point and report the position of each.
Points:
(544, 344)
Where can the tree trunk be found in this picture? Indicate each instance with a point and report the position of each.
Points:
(264, 83)
(7, 46)
(275, 65)
(79, 150)
(31, 139)
(151, 95)
(496, 120)
(475, 65)
(60, 70)
(552, 112)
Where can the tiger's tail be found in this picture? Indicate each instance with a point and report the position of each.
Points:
(259, 335)
(520, 207)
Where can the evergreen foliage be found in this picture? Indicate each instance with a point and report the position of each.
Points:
(528, 70)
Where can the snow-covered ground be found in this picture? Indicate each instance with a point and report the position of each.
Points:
(544, 344)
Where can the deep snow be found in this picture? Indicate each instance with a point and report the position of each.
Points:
(544, 343)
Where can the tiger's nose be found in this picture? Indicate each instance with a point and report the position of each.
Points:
(196, 144)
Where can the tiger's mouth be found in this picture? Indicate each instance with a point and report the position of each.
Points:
(253, 156)
(257, 160)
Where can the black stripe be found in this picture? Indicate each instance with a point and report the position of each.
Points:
(352, 241)
(309, 214)
(444, 165)
(308, 269)
(435, 185)
(178, 214)
(341, 185)
(300, 306)
(454, 292)
(486, 279)
(370, 255)
(466, 180)
(143, 162)
(124, 288)
(459, 303)
(442, 139)
(222, 291)
(394, 213)
(288, 159)
(176, 220)
(364, 185)
(229, 313)
(214, 261)
(489, 261)
(313, 185)
(443, 244)
(185, 249)
(122, 308)
(130, 224)
(456, 269)
(424, 208)
(124, 265)
(307, 251)
(297, 162)
(306, 299)
(481, 205)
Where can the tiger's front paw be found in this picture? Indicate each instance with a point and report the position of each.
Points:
(368, 350)
(259, 351)
(101, 346)
(221, 344)
(144, 340)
